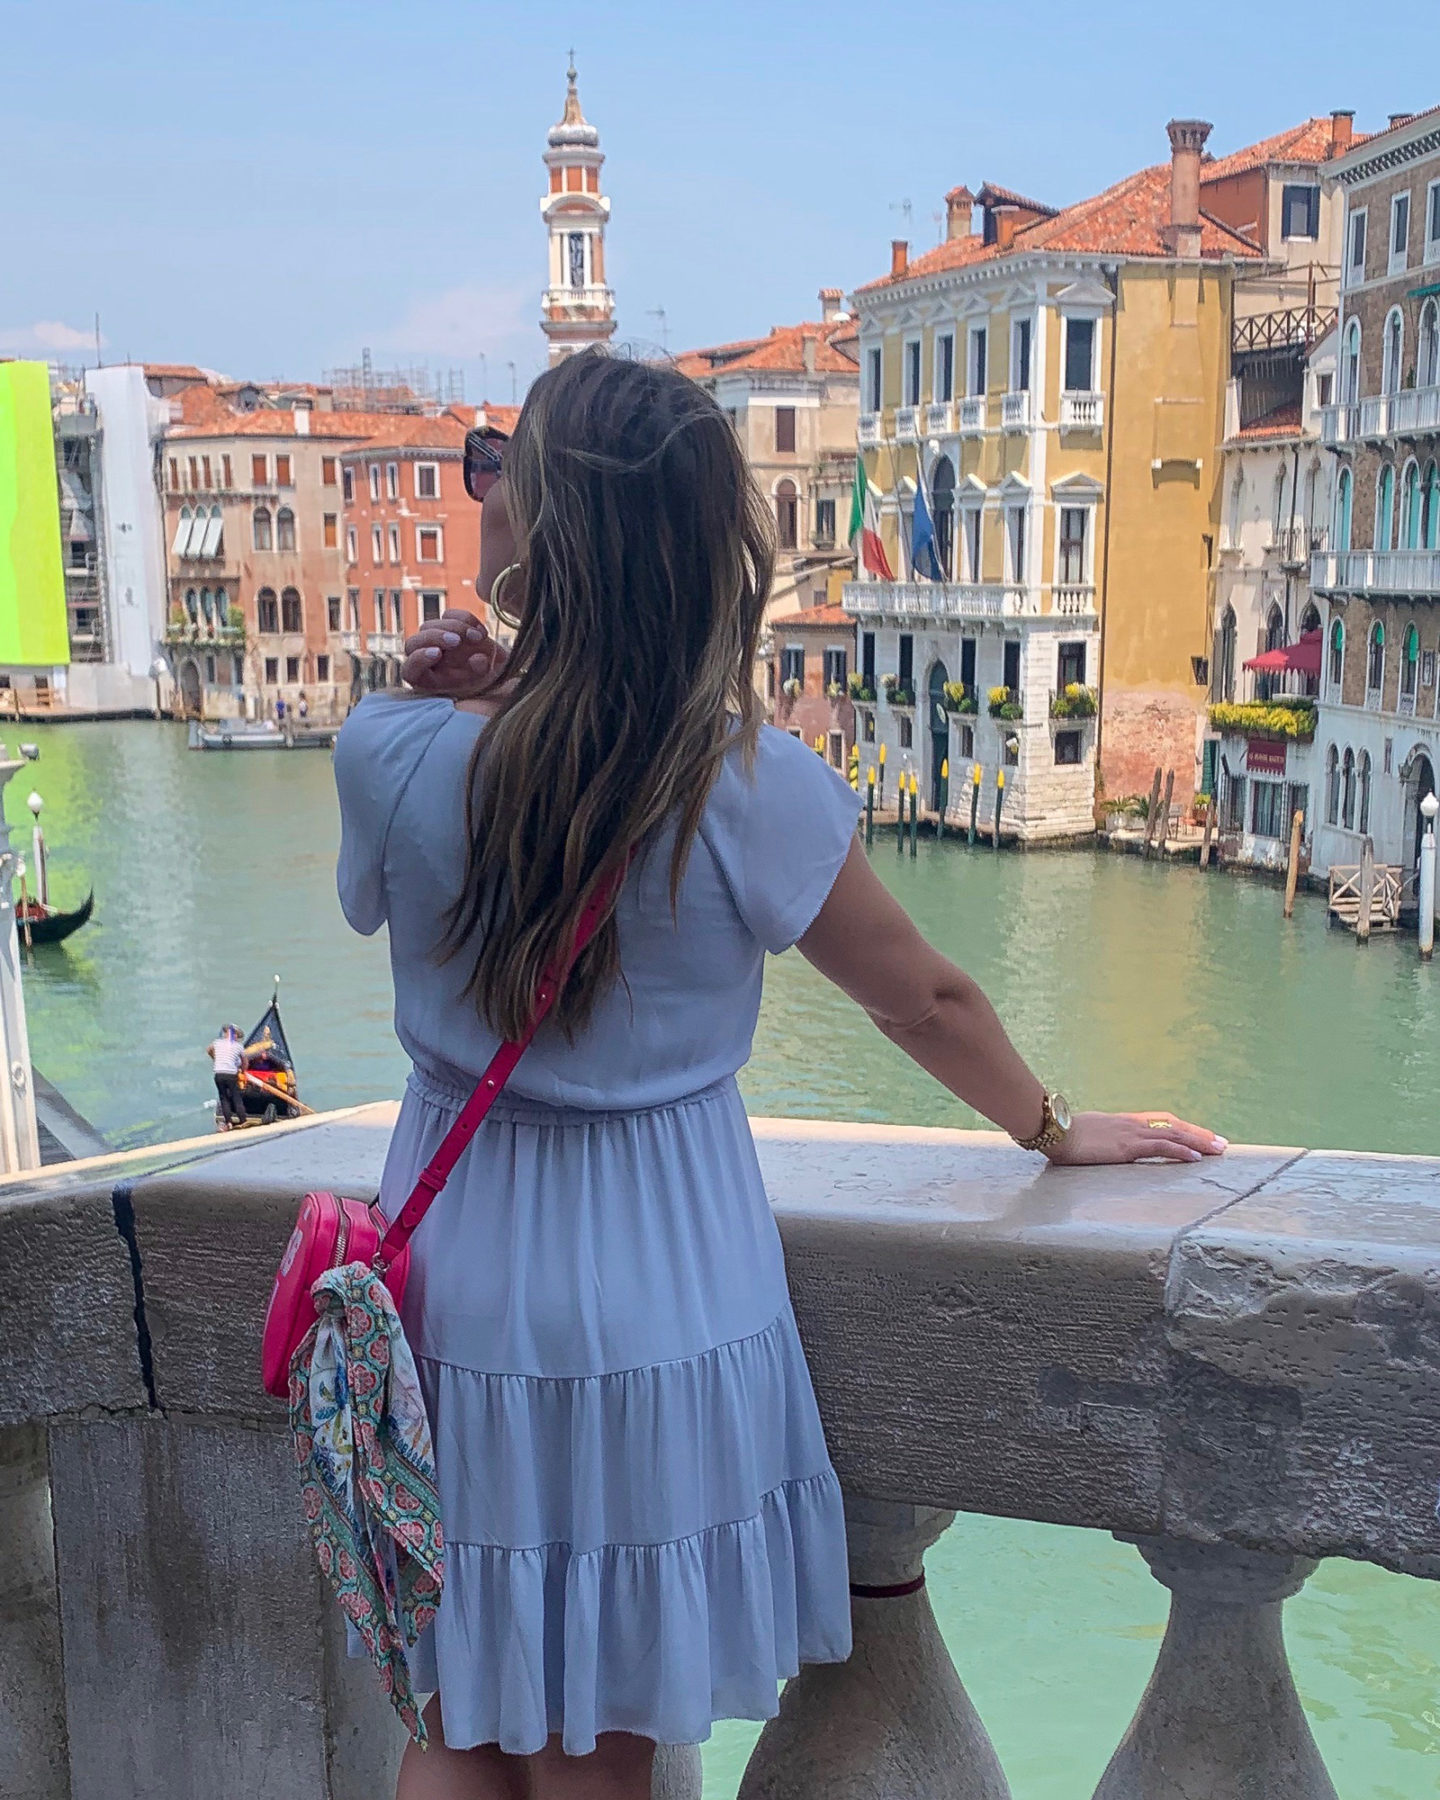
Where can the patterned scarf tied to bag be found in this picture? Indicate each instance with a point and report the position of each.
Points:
(367, 1473)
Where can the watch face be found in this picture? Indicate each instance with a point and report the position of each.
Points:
(1060, 1109)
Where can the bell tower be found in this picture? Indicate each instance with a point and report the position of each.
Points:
(578, 308)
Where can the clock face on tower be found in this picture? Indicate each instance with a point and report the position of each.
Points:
(577, 259)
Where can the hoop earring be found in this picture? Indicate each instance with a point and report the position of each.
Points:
(499, 582)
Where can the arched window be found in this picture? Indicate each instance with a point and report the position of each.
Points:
(1309, 619)
(1375, 667)
(787, 513)
(182, 533)
(267, 611)
(1427, 359)
(1347, 790)
(1385, 509)
(1267, 685)
(1312, 497)
(942, 498)
(1409, 668)
(1225, 659)
(1430, 508)
(291, 617)
(260, 528)
(1232, 523)
(1394, 350)
(1364, 790)
(192, 606)
(1408, 535)
(222, 607)
(285, 529)
(1350, 364)
(1344, 499)
(1337, 662)
(1332, 786)
(207, 606)
(1277, 515)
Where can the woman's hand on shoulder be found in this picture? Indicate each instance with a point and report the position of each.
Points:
(453, 657)
(1097, 1137)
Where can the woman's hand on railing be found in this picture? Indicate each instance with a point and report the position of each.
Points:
(454, 656)
(1097, 1137)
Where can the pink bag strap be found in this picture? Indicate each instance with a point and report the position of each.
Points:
(487, 1090)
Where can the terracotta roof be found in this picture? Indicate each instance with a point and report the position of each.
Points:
(177, 371)
(783, 349)
(501, 417)
(205, 413)
(1309, 142)
(828, 616)
(1283, 422)
(413, 431)
(1125, 220)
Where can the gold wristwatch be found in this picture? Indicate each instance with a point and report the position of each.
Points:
(1054, 1123)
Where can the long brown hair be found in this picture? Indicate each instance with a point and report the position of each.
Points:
(644, 559)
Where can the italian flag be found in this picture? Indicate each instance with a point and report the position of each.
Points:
(865, 526)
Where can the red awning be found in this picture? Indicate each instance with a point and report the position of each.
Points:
(1303, 658)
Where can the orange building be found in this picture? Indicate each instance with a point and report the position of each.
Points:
(412, 533)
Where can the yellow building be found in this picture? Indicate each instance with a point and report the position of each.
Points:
(1059, 375)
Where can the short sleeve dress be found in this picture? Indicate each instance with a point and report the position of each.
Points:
(644, 1532)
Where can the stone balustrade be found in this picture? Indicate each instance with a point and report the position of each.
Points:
(1233, 1365)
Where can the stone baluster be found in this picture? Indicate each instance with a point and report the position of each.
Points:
(1220, 1718)
(893, 1723)
(32, 1695)
(677, 1773)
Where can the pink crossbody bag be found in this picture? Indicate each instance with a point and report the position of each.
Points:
(332, 1231)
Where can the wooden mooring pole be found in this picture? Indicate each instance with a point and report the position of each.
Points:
(1153, 813)
(914, 811)
(1292, 867)
(1209, 832)
(999, 804)
(974, 801)
(1367, 892)
(869, 807)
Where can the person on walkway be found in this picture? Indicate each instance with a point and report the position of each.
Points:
(302, 707)
(228, 1055)
(644, 1532)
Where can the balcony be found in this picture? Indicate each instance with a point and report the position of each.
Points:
(1377, 572)
(385, 643)
(939, 599)
(867, 430)
(907, 424)
(939, 418)
(972, 414)
(349, 641)
(1410, 412)
(1015, 410)
(1073, 599)
(1293, 545)
(1082, 412)
(1233, 1408)
(207, 637)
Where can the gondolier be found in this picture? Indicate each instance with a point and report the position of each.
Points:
(229, 1055)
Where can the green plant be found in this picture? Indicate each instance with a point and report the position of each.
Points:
(1004, 705)
(958, 698)
(1287, 718)
(858, 689)
(792, 688)
(1075, 701)
(835, 691)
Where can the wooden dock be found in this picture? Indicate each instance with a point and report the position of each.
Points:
(1365, 896)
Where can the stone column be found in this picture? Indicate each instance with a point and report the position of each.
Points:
(893, 1723)
(1220, 1719)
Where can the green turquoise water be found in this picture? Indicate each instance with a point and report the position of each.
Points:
(1126, 984)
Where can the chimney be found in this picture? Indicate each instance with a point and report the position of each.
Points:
(832, 305)
(1397, 119)
(807, 353)
(1342, 130)
(1187, 140)
(899, 257)
(958, 204)
(1007, 223)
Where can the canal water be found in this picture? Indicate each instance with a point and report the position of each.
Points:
(1129, 985)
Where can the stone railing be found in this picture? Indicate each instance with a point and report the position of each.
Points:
(1234, 1366)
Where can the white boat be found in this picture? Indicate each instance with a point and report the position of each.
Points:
(236, 734)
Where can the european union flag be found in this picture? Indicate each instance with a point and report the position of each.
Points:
(923, 558)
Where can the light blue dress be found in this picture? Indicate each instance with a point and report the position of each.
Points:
(644, 1532)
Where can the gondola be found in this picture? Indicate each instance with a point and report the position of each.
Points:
(38, 923)
(268, 1087)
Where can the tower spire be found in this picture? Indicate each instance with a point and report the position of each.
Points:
(578, 309)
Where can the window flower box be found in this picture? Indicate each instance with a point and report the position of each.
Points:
(1281, 718)
(1004, 705)
(1074, 701)
(959, 700)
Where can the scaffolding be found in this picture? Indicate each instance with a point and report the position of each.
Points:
(363, 388)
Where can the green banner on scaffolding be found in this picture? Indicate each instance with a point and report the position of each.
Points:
(33, 631)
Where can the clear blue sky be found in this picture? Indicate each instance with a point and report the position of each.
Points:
(266, 188)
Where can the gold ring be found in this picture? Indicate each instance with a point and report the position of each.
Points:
(1158, 1124)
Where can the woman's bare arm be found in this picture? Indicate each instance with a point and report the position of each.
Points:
(865, 942)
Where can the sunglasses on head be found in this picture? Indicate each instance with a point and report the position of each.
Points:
(483, 462)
